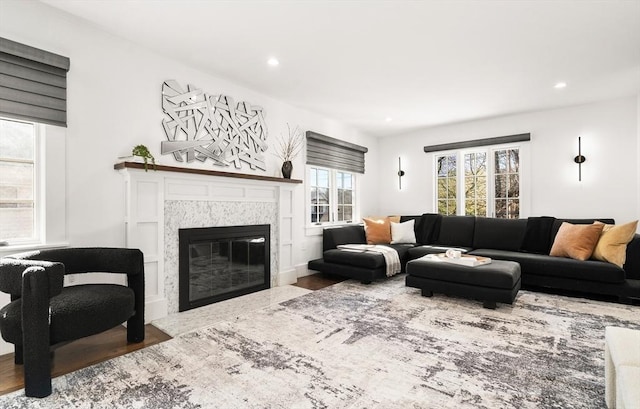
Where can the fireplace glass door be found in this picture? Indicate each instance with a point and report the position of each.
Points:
(222, 262)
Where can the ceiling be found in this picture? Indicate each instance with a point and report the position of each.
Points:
(420, 63)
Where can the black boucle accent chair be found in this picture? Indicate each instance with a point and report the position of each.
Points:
(42, 313)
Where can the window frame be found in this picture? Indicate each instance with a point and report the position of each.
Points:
(333, 199)
(50, 191)
(490, 150)
(38, 188)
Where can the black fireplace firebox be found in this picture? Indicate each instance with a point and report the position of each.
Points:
(218, 263)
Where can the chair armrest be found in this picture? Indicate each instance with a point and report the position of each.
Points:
(91, 259)
(13, 272)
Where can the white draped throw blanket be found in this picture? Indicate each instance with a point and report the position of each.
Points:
(391, 258)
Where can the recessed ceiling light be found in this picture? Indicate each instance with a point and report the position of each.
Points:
(388, 119)
(560, 85)
(273, 61)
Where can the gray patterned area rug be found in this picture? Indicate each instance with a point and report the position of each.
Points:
(365, 346)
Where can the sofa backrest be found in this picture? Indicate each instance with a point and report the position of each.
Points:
(332, 237)
(456, 231)
(499, 234)
(558, 222)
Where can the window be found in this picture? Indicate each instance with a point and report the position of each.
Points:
(447, 184)
(18, 181)
(475, 184)
(332, 196)
(467, 183)
(507, 183)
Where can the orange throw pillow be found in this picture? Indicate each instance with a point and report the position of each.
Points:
(612, 246)
(576, 241)
(378, 231)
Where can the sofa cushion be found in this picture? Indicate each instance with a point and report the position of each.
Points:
(501, 234)
(332, 237)
(364, 259)
(612, 245)
(539, 264)
(558, 222)
(354, 258)
(456, 231)
(576, 241)
(403, 232)
(377, 231)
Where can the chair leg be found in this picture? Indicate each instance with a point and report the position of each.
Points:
(135, 330)
(35, 333)
(18, 356)
(135, 324)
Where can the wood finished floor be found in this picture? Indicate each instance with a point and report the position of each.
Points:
(110, 344)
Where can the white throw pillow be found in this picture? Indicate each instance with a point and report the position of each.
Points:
(403, 232)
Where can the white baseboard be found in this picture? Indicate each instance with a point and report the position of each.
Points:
(287, 277)
(302, 270)
(155, 309)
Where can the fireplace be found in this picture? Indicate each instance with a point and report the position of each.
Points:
(218, 263)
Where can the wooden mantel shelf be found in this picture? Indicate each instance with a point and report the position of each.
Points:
(136, 165)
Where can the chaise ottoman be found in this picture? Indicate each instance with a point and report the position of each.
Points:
(498, 281)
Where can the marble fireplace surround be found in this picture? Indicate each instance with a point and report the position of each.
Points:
(158, 203)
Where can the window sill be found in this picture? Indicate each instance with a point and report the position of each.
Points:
(19, 248)
(316, 229)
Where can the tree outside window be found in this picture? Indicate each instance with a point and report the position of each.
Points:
(447, 184)
(507, 183)
(469, 183)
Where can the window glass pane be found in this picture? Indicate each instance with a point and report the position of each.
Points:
(340, 213)
(17, 140)
(501, 161)
(501, 186)
(314, 195)
(323, 178)
(513, 208)
(348, 184)
(313, 177)
(348, 197)
(514, 160)
(340, 196)
(323, 195)
(514, 185)
(501, 208)
(17, 180)
(315, 214)
(323, 214)
(348, 213)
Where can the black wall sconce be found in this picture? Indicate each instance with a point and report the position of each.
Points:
(400, 173)
(579, 159)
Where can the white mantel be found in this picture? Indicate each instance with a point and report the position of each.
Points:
(159, 202)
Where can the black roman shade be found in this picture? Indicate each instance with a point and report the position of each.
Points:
(333, 153)
(523, 137)
(33, 84)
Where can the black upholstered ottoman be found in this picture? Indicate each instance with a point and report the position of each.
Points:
(498, 281)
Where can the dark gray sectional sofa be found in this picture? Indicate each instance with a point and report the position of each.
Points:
(526, 241)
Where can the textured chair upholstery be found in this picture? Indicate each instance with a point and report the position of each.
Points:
(42, 313)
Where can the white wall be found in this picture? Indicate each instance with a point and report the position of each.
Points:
(610, 177)
(114, 90)
(638, 154)
(114, 103)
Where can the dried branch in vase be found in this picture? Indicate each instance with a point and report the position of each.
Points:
(288, 148)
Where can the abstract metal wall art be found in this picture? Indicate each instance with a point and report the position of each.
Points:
(200, 126)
